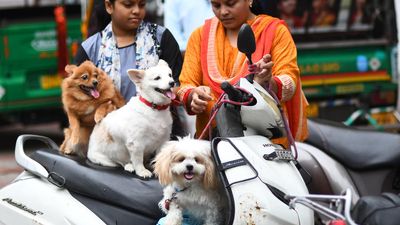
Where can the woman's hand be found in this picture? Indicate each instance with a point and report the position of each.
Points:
(198, 99)
(262, 70)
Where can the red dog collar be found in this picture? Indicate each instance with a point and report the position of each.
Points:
(152, 105)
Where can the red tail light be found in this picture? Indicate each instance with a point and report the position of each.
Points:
(337, 222)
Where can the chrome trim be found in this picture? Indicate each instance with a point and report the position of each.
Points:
(339, 205)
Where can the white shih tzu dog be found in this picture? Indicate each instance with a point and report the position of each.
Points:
(192, 188)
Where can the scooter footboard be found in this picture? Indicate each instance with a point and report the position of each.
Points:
(256, 187)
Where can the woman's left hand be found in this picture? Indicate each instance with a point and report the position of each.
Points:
(262, 70)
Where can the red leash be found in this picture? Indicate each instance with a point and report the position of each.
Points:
(221, 100)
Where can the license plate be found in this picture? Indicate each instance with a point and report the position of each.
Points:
(50, 81)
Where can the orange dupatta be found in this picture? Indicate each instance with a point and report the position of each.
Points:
(264, 31)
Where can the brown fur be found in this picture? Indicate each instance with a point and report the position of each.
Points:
(84, 110)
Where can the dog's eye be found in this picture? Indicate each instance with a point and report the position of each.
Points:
(157, 78)
(170, 75)
(84, 77)
(180, 159)
(199, 160)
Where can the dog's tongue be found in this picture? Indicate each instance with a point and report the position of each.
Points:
(188, 176)
(170, 94)
(94, 93)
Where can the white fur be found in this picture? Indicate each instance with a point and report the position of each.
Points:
(130, 135)
(201, 197)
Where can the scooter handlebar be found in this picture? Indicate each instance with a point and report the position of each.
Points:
(233, 93)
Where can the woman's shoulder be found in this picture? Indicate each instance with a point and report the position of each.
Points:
(266, 18)
(92, 40)
(91, 45)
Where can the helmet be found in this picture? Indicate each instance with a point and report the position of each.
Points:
(263, 118)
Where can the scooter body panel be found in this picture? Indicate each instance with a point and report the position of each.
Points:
(254, 202)
(337, 176)
(32, 200)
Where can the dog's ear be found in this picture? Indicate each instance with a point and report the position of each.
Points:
(136, 75)
(162, 62)
(162, 163)
(70, 69)
(210, 176)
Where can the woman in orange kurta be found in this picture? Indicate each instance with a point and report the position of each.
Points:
(212, 57)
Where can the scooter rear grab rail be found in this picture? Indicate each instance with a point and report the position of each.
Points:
(342, 203)
(25, 161)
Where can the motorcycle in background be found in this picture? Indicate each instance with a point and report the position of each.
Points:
(367, 163)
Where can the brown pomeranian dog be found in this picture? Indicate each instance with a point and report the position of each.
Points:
(88, 94)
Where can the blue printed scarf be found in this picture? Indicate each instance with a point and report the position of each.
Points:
(147, 50)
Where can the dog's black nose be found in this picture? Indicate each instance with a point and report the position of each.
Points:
(189, 167)
(95, 83)
(171, 84)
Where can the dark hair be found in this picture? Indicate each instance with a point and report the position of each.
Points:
(257, 8)
(99, 18)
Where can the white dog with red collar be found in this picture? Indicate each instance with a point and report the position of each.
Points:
(132, 134)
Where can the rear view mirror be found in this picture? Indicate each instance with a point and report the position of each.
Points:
(246, 43)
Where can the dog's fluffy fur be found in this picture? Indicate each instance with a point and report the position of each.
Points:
(187, 171)
(132, 134)
(88, 94)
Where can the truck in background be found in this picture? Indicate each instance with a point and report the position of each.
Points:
(29, 57)
(347, 54)
(31, 61)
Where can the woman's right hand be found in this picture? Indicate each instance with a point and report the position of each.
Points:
(198, 99)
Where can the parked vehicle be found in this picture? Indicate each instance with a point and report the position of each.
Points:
(339, 157)
(347, 58)
(30, 54)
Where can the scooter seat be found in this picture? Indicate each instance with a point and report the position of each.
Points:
(354, 148)
(113, 194)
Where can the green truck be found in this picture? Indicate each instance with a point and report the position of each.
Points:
(338, 80)
(29, 79)
(347, 54)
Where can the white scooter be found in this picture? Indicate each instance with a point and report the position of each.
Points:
(58, 189)
(263, 183)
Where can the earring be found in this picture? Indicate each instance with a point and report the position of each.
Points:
(251, 4)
